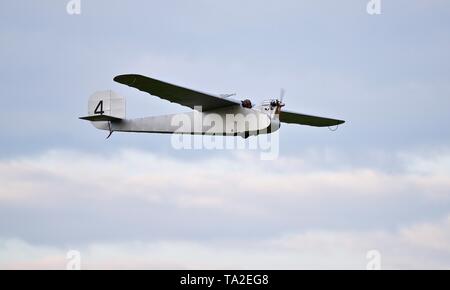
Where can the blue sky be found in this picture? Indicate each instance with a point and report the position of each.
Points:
(381, 181)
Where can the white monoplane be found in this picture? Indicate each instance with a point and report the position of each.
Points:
(212, 115)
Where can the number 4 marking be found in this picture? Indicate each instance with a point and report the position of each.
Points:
(99, 108)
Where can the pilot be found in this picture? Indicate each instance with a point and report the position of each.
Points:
(247, 104)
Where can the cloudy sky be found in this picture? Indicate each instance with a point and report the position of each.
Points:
(381, 182)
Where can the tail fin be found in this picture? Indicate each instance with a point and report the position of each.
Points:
(105, 106)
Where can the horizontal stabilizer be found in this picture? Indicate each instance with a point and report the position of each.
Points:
(98, 118)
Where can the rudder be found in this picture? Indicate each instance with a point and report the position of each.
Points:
(105, 106)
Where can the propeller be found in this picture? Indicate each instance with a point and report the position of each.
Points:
(278, 104)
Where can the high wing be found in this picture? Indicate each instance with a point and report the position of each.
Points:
(174, 93)
(296, 118)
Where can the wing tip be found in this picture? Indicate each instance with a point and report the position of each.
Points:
(334, 123)
(126, 79)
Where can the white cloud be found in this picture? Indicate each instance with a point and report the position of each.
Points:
(429, 235)
(241, 187)
(405, 248)
(212, 182)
